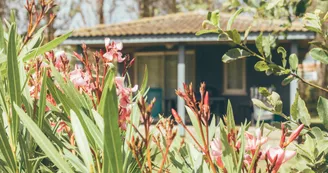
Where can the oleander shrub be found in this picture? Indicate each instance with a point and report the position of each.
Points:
(56, 117)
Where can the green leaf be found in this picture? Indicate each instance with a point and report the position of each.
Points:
(42, 100)
(230, 117)
(299, 111)
(258, 43)
(6, 150)
(227, 151)
(45, 48)
(24, 153)
(287, 80)
(272, 4)
(144, 81)
(108, 108)
(268, 42)
(261, 66)
(320, 55)
(322, 108)
(234, 54)
(215, 18)
(242, 149)
(293, 61)
(312, 22)
(194, 122)
(99, 120)
(43, 142)
(233, 17)
(264, 91)
(34, 42)
(234, 36)
(75, 161)
(95, 132)
(2, 38)
(13, 80)
(82, 141)
(283, 55)
(261, 105)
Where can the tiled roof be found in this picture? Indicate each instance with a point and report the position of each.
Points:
(181, 23)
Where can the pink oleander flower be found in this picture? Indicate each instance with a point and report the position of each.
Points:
(247, 159)
(113, 51)
(124, 115)
(124, 96)
(60, 56)
(252, 142)
(80, 78)
(216, 147)
(123, 92)
(278, 156)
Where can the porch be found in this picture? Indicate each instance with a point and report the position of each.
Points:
(174, 55)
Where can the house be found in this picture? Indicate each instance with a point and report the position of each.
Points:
(174, 54)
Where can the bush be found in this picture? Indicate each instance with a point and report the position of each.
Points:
(56, 118)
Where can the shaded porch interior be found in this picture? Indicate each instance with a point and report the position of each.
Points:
(202, 63)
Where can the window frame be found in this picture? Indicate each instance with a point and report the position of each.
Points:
(234, 92)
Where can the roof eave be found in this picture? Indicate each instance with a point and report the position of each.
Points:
(177, 38)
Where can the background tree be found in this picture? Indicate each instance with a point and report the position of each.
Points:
(2, 9)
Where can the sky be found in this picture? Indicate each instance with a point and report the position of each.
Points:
(73, 14)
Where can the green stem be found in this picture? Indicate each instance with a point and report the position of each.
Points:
(282, 68)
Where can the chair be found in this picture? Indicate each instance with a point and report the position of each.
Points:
(258, 113)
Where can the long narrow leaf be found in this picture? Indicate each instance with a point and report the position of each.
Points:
(13, 81)
(144, 81)
(94, 131)
(2, 39)
(242, 150)
(99, 120)
(75, 161)
(113, 161)
(82, 142)
(47, 47)
(43, 142)
(6, 149)
(231, 121)
(233, 17)
(24, 154)
(42, 100)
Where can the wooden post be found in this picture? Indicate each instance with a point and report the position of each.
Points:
(181, 80)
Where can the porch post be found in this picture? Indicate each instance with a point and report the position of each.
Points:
(181, 80)
(294, 84)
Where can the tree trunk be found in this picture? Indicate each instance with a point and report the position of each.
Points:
(100, 11)
(2, 9)
(173, 7)
(146, 7)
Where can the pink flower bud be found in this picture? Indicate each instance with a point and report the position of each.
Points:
(206, 99)
(176, 116)
(295, 134)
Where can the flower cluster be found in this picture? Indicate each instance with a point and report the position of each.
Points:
(87, 77)
(124, 94)
(275, 157)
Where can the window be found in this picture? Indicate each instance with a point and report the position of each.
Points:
(235, 78)
(162, 75)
